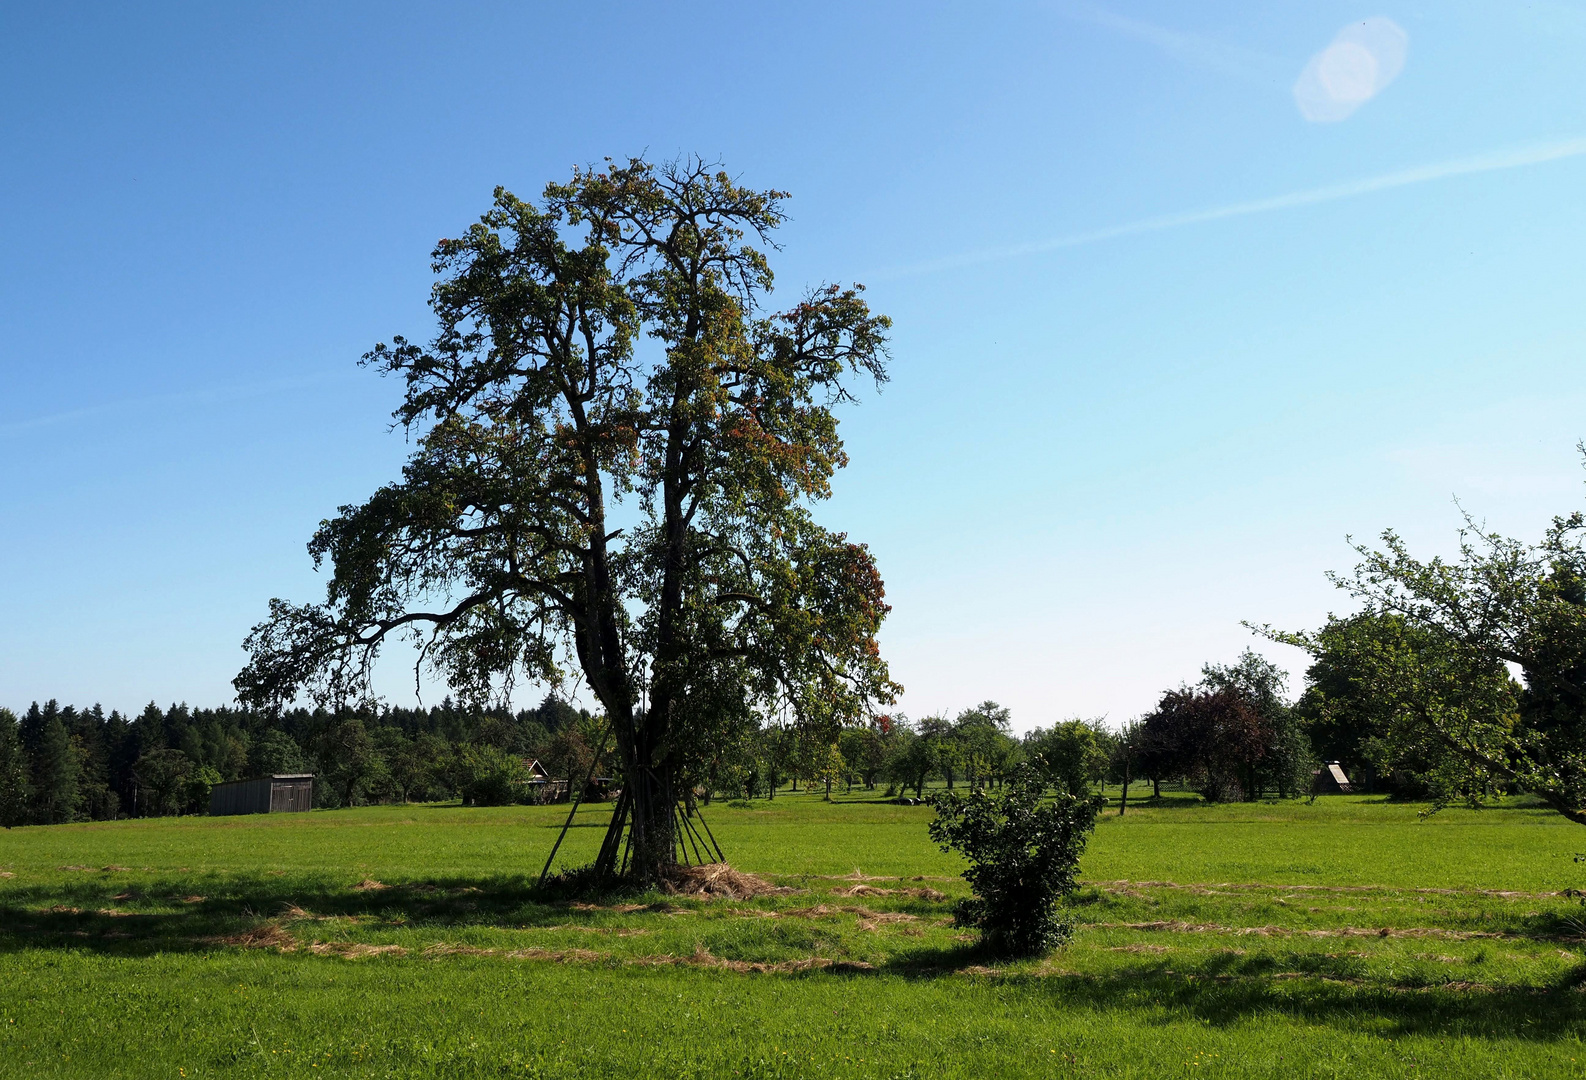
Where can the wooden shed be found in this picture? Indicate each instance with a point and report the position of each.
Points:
(281, 793)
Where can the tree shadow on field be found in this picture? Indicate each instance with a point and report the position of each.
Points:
(132, 915)
(1543, 1013)
(1228, 990)
(105, 912)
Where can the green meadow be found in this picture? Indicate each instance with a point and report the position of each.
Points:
(1350, 937)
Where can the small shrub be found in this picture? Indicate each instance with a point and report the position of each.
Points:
(1023, 850)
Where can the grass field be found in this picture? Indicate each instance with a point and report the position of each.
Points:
(1346, 938)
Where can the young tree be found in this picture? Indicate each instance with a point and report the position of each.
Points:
(194, 792)
(1213, 739)
(1023, 849)
(982, 738)
(941, 744)
(864, 751)
(1123, 762)
(645, 510)
(826, 766)
(909, 759)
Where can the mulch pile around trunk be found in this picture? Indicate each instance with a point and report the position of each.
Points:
(716, 881)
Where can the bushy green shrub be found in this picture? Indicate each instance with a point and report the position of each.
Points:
(1023, 849)
(490, 777)
(195, 789)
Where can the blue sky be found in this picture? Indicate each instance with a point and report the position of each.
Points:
(1168, 325)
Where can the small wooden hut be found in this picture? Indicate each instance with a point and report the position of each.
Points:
(278, 794)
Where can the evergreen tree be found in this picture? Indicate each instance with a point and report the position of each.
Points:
(149, 731)
(57, 774)
(13, 772)
(32, 728)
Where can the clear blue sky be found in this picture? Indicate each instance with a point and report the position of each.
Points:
(1168, 325)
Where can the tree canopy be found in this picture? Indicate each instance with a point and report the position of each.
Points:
(1432, 646)
(617, 449)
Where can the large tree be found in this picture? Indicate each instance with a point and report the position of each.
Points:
(617, 449)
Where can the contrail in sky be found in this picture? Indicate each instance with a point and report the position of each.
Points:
(1503, 159)
(213, 395)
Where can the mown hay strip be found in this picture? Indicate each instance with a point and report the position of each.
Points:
(352, 950)
(702, 957)
(269, 936)
(1177, 927)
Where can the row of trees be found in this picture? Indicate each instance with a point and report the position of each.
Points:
(1231, 736)
(60, 764)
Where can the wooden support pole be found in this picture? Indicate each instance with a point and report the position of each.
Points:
(568, 824)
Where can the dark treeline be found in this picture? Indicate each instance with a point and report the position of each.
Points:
(61, 763)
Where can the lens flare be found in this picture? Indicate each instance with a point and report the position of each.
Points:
(1361, 61)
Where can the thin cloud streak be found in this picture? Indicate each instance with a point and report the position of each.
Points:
(1494, 162)
(209, 395)
(1194, 49)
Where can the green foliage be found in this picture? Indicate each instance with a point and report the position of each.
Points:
(984, 747)
(350, 762)
(57, 772)
(161, 775)
(909, 759)
(1023, 852)
(1285, 762)
(487, 776)
(274, 751)
(1231, 737)
(1382, 693)
(864, 752)
(194, 794)
(1074, 755)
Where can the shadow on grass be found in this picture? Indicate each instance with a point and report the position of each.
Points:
(99, 914)
(1312, 988)
(193, 913)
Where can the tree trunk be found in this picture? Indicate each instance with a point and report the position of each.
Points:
(1123, 803)
(646, 811)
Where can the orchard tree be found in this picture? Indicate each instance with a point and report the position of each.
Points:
(1383, 692)
(617, 449)
(1074, 755)
(1285, 762)
(1441, 684)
